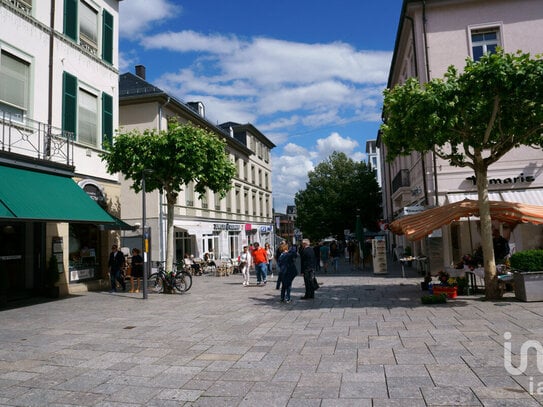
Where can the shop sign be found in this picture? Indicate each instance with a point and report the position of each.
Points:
(226, 226)
(508, 180)
(265, 229)
(411, 210)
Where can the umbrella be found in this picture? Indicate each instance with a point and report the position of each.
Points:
(415, 227)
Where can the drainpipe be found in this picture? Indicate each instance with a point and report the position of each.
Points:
(422, 160)
(50, 90)
(428, 79)
(160, 196)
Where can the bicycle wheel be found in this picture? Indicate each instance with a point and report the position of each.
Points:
(155, 283)
(183, 281)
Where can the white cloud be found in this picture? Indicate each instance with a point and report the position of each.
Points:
(137, 16)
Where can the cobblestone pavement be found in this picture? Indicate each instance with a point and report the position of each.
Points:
(365, 340)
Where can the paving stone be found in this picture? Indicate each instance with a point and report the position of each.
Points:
(364, 341)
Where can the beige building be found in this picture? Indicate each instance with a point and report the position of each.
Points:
(433, 35)
(208, 225)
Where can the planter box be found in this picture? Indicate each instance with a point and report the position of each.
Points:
(450, 292)
(529, 286)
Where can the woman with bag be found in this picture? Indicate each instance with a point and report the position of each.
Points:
(288, 270)
(245, 260)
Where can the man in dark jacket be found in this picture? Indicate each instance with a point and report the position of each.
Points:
(307, 258)
(116, 264)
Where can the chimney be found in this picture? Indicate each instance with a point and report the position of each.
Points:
(140, 71)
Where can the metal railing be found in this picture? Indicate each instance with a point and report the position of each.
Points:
(35, 139)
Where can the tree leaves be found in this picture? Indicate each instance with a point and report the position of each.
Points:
(338, 189)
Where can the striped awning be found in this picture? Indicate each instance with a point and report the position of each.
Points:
(417, 226)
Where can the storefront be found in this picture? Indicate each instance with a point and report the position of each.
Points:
(45, 213)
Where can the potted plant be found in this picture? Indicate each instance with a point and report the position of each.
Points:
(51, 278)
(447, 285)
(528, 275)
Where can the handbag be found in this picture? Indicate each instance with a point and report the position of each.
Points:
(316, 285)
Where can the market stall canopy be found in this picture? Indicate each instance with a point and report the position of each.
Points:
(417, 226)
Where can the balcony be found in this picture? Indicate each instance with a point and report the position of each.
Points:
(400, 180)
(31, 138)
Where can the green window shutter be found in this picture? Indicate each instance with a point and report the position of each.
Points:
(107, 37)
(107, 119)
(69, 103)
(70, 19)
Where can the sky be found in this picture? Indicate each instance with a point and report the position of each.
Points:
(308, 74)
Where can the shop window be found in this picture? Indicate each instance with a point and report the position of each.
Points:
(84, 252)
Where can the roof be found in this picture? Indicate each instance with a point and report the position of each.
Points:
(131, 85)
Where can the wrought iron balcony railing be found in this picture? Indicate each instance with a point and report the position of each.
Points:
(35, 139)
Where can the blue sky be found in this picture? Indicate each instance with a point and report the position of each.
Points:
(309, 74)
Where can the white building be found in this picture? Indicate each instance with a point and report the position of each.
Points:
(433, 35)
(58, 102)
(218, 226)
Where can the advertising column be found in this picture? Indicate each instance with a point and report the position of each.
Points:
(378, 250)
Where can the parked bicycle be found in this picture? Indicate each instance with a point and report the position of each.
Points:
(177, 280)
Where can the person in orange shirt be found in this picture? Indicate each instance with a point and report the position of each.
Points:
(260, 257)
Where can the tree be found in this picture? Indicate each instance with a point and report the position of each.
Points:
(172, 158)
(472, 120)
(338, 189)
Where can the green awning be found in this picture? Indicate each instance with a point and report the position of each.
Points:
(31, 195)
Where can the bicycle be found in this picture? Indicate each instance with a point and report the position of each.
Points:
(175, 281)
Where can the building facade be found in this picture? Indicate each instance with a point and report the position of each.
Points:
(433, 35)
(212, 225)
(58, 102)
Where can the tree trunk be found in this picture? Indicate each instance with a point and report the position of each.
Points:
(170, 205)
(491, 281)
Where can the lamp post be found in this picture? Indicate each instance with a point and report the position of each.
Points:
(145, 235)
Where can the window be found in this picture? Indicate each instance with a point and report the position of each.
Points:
(82, 24)
(80, 113)
(189, 194)
(87, 118)
(484, 41)
(14, 84)
(88, 28)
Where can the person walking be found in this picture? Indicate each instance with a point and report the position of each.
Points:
(308, 269)
(269, 253)
(260, 258)
(317, 250)
(116, 263)
(325, 256)
(288, 270)
(245, 261)
(137, 270)
(278, 253)
(334, 256)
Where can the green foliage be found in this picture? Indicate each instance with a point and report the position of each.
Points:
(494, 105)
(182, 154)
(434, 299)
(527, 260)
(470, 119)
(171, 159)
(336, 189)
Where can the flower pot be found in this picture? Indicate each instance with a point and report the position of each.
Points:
(529, 285)
(449, 291)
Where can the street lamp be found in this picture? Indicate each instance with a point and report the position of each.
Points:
(144, 234)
